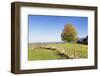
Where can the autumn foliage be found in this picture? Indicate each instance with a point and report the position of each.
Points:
(69, 33)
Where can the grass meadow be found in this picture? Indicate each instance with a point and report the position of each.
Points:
(55, 51)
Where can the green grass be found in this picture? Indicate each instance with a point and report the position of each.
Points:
(43, 54)
(69, 50)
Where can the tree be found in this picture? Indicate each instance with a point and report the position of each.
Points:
(69, 33)
(85, 40)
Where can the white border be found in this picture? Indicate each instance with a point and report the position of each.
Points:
(25, 64)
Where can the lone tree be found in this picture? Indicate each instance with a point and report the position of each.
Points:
(69, 33)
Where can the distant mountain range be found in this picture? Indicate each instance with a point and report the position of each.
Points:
(49, 42)
(80, 41)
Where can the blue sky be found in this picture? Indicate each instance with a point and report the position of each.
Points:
(49, 28)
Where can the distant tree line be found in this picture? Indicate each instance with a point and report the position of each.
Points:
(83, 41)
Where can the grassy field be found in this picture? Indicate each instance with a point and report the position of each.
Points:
(57, 51)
